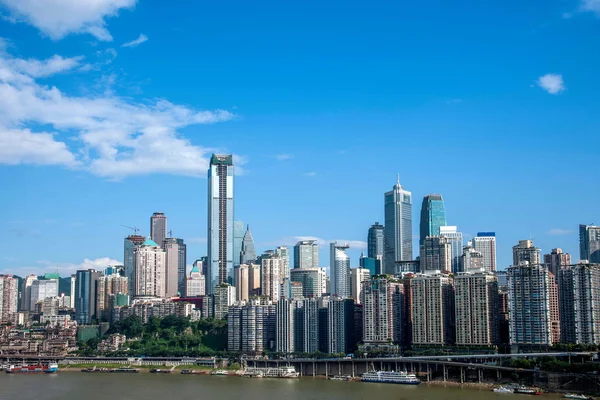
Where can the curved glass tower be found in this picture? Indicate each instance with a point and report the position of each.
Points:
(433, 215)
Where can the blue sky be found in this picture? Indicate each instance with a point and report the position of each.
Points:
(109, 110)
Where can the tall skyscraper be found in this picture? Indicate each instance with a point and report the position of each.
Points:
(340, 321)
(176, 261)
(384, 310)
(306, 324)
(238, 238)
(129, 246)
(270, 277)
(85, 296)
(220, 221)
(150, 268)
(72, 299)
(254, 283)
(306, 254)
(485, 242)
(107, 288)
(436, 254)
(456, 246)
(224, 296)
(476, 305)
(241, 282)
(528, 300)
(42, 289)
(433, 215)
(285, 326)
(432, 306)
(158, 228)
(375, 242)
(339, 270)
(248, 254)
(358, 277)
(589, 243)
(195, 284)
(311, 280)
(251, 328)
(398, 227)
(26, 292)
(284, 253)
(472, 260)
(9, 298)
(554, 308)
(526, 251)
(555, 260)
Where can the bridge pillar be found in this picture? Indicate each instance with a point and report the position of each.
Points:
(480, 374)
(445, 369)
(428, 372)
(326, 369)
(498, 375)
(353, 372)
(462, 375)
(339, 367)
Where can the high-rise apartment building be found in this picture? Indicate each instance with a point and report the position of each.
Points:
(476, 308)
(339, 270)
(131, 242)
(555, 260)
(311, 280)
(26, 292)
(150, 269)
(589, 243)
(554, 308)
(306, 254)
(72, 296)
(42, 289)
(485, 242)
(254, 283)
(270, 278)
(526, 251)
(284, 253)
(384, 310)
(224, 296)
(436, 254)
(433, 215)
(107, 288)
(241, 282)
(398, 227)
(340, 319)
(306, 326)
(220, 221)
(432, 308)
(358, 276)
(158, 228)
(455, 239)
(9, 298)
(285, 328)
(248, 254)
(376, 242)
(85, 296)
(195, 285)
(251, 327)
(529, 305)
(472, 260)
(176, 261)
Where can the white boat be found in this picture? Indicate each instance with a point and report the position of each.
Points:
(576, 396)
(401, 378)
(503, 389)
(220, 372)
(279, 372)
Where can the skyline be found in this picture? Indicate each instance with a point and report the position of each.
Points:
(319, 120)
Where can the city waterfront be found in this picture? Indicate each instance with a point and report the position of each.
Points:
(73, 385)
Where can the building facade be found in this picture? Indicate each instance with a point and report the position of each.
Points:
(9, 298)
(358, 276)
(241, 282)
(285, 328)
(284, 253)
(224, 296)
(398, 227)
(195, 283)
(455, 239)
(270, 278)
(472, 260)
(311, 280)
(526, 251)
(131, 242)
(238, 239)
(476, 305)
(176, 261)
(150, 269)
(384, 311)
(339, 270)
(485, 243)
(432, 308)
(248, 254)
(158, 227)
(436, 254)
(589, 243)
(376, 242)
(555, 260)
(306, 254)
(433, 216)
(85, 296)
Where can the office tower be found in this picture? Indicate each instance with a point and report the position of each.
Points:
(238, 238)
(251, 328)
(270, 277)
(433, 215)
(529, 305)
(472, 260)
(108, 287)
(503, 324)
(195, 284)
(224, 296)
(398, 227)
(150, 268)
(285, 326)
(384, 310)
(339, 270)
(306, 326)
(340, 318)
(234, 326)
(241, 282)
(296, 290)
(436, 254)
(526, 251)
(476, 307)
(456, 246)
(566, 302)
(131, 242)
(26, 292)
(324, 281)
(433, 312)
(254, 283)
(357, 277)
(85, 295)
(589, 243)
(202, 265)
(72, 297)
(306, 254)
(284, 253)
(555, 260)
(220, 221)
(372, 264)
(158, 227)
(311, 280)
(554, 308)
(375, 242)
(9, 298)
(485, 242)
(502, 279)
(248, 254)
(41, 289)
(176, 261)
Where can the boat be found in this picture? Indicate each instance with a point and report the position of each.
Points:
(503, 389)
(220, 372)
(278, 372)
(125, 370)
(340, 378)
(160, 371)
(577, 396)
(401, 378)
(97, 370)
(528, 390)
(48, 369)
(189, 372)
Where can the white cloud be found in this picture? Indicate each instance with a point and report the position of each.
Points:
(134, 43)
(58, 18)
(591, 5)
(111, 137)
(283, 157)
(66, 269)
(558, 231)
(551, 83)
(311, 173)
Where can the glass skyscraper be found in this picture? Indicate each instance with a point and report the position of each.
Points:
(248, 254)
(375, 242)
(456, 246)
(238, 237)
(398, 227)
(589, 243)
(220, 221)
(339, 270)
(158, 228)
(306, 254)
(433, 215)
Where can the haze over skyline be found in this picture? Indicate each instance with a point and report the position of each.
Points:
(111, 113)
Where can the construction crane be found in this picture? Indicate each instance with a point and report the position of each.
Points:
(135, 229)
(170, 233)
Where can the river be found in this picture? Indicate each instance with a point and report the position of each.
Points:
(145, 386)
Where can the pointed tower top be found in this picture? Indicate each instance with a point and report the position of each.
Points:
(398, 179)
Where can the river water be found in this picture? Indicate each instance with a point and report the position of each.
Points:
(145, 386)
